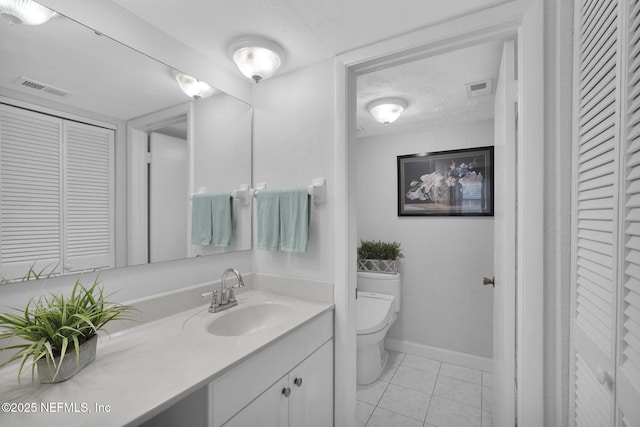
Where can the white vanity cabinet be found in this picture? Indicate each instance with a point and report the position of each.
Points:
(290, 383)
(301, 398)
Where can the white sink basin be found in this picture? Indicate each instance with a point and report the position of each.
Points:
(249, 319)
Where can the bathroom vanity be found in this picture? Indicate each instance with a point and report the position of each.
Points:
(267, 361)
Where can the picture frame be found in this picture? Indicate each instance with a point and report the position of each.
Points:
(446, 183)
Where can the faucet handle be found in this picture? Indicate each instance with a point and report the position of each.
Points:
(213, 295)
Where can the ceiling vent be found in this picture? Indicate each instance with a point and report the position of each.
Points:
(41, 87)
(481, 88)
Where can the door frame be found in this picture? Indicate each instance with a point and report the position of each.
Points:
(137, 134)
(521, 19)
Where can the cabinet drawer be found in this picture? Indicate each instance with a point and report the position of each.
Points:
(238, 387)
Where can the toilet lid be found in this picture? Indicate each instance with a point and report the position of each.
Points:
(373, 312)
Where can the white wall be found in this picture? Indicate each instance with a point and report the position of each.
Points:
(444, 303)
(221, 156)
(293, 143)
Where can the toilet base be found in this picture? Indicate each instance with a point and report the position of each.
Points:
(370, 363)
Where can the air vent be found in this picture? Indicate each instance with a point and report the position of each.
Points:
(41, 87)
(482, 88)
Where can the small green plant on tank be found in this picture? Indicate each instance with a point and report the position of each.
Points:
(371, 249)
(379, 257)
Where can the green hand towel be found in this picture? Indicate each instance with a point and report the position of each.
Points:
(201, 226)
(268, 219)
(222, 219)
(294, 220)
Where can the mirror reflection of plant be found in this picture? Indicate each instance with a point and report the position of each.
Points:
(55, 325)
(33, 274)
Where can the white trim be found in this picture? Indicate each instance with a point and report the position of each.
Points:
(441, 354)
(137, 130)
(530, 220)
(500, 20)
(496, 22)
(345, 248)
(57, 113)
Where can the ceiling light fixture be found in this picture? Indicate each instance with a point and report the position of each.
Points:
(256, 58)
(193, 87)
(25, 12)
(386, 110)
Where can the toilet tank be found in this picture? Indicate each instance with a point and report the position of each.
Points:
(381, 283)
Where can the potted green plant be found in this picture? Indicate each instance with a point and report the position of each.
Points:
(60, 332)
(379, 257)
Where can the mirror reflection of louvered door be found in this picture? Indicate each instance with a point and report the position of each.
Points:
(605, 308)
(56, 195)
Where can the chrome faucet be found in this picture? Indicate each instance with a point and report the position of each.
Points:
(226, 299)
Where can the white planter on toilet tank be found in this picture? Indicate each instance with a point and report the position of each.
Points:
(377, 306)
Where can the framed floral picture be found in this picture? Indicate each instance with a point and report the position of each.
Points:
(446, 183)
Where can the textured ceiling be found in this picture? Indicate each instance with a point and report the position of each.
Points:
(434, 88)
(308, 30)
(311, 31)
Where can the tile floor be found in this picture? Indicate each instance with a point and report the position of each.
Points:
(420, 392)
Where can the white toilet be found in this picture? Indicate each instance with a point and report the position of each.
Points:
(377, 306)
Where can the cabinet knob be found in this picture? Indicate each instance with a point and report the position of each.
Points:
(298, 381)
(286, 391)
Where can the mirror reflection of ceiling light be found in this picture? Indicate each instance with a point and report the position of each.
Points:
(386, 110)
(256, 58)
(25, 12)
(193, 87)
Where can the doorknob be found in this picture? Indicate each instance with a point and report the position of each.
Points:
(487, 281)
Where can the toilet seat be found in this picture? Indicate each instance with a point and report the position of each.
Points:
(373, 312)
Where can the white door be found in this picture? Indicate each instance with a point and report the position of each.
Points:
(595, 214)
(311, 382)
(504, 301)
(168, 199)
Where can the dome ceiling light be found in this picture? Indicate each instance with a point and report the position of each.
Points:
(26, 12)
(193, 87)
(256, 58)
(386, 110)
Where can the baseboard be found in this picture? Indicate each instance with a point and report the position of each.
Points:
(449, 356)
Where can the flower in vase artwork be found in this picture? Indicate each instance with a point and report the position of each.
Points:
(454, 182)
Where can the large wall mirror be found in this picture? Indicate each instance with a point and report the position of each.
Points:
(66, 93)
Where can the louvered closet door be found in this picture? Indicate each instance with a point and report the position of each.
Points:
(628, 371)
(595, 216)
(30, 195)
(88, 207)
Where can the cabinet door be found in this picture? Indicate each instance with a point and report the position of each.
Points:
(311, 382)
(267, 410)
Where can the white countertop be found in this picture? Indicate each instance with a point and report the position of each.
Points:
(144, 370)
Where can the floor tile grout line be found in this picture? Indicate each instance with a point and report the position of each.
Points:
(431, 395)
